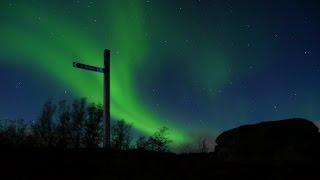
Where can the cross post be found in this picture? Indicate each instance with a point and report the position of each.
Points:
(106, 93)
(106, 99)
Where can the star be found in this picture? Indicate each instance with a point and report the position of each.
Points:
(18, 85)
(65, 92)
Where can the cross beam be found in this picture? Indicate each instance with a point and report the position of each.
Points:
(106, 93)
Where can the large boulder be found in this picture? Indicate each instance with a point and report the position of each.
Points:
(284, 141)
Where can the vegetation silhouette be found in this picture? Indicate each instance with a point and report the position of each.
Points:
(64, 144)
(75, 125)
(121, 135)
(159, 141)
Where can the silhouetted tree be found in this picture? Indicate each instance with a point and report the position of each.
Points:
(43, 129)
(19, 128)
(93, 127)
(121, 135)
(63, 129)
(77, 121)
(159, 141)
(142, 143)
(13, 132)
(203, 147)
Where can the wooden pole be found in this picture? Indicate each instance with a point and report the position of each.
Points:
(106, 99)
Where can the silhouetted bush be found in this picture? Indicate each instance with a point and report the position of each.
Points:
(203, 147)
(159, 141)
(43, 130)
(13, 132)
(78, 115)
(63, 129)
(142, 143)
(121, 135)
(92, 136)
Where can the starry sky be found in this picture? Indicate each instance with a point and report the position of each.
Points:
(198, 67)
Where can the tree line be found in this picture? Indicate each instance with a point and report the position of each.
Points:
(76, 125)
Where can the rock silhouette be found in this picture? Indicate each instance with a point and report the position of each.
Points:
(284, 141)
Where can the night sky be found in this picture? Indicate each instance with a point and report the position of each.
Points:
(198, 67)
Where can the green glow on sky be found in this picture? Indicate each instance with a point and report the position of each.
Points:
(198, 67)
(49, 42)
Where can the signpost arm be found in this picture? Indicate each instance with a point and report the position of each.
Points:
(106, 99)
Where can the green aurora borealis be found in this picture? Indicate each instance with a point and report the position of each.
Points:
(58, 41)
(197, 67)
